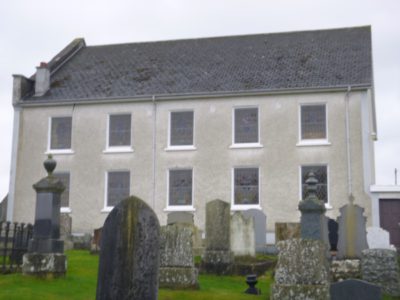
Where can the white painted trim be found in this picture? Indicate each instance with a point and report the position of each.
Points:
(234, 206)
(304, 142)
(180, 207)
(13, 166)
(59, 151)
(252, 145)
(109, 148)
(328, 204)
(65, 210)
(181, 147)
(115, 150)
(313, 143)
(107, 208)
(384, 188)
(246, 146)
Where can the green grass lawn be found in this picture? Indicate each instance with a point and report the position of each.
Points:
(81, 278)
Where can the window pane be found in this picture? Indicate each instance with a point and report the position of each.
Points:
(120, 130)
(313, 122)
(246, 186)
(322, 177)
(64, 178)
(118, 187)
(246, 125)
(60, 133)
(180, 187)
(181, 128)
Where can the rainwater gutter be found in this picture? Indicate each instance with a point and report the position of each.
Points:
(349, 177)
(154, 115)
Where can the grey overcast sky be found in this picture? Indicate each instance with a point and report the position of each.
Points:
(34, 31)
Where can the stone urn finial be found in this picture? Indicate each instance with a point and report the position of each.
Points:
(50, 164)
(312, 182)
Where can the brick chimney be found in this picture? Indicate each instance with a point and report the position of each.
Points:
(42, 81)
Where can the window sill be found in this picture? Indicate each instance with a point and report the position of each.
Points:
(65, 210)
(61, 151)
(310, 143)
(118, 150)
(246, 146)
(180, 148)
(180, 208)
(107, 209)
(245, 207)
(328, 206)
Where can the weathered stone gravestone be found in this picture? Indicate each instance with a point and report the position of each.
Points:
(218, 257)
(286, 231)
(380, 266)
(260, 225)
(45, 257)
(242, 235)
(302, 271)
(180, 217)
(345, 269)
(378, 238)
(65, 230)
(354, 289)
(96, 240)
(352, 232)
(129, 256)
(176, 257)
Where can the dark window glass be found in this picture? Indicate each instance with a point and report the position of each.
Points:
(118, 187)
(64, 178)
(322, 177)
(246, 125)
(60, 133)
(246, 186)
(181, 128)
(313, 122)
(120, 130)
(180, 187)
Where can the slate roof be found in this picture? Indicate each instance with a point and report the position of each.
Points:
(263, 62)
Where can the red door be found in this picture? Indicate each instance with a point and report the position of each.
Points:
(389, 212)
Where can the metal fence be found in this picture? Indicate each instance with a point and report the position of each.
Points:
(14, 238)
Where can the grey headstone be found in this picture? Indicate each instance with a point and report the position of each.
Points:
(129, 256)
(302, 270)
(176, 257)
(381, 267)
(218, 257)
(333, 228)
(378, 238)
(354, 289)
(260, 225)
(65, 226)
(352, 231)
(243, 241)
(3, 209)
(180, 217)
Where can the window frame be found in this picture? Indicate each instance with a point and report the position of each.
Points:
(58, 151)
(246, 145)
(327, 203)
(65, 209)
(236, 207)
(118, 149)
(180, 147)
(107, 208)
(313, 142)
(169, 207)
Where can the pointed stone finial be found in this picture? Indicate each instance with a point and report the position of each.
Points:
(50, 164)
(312, 182)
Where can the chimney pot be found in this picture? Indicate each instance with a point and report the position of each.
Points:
(43, 64)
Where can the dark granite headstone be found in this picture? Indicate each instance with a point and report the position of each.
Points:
(180, 217)
(354, 289)
(129, 255)
(333, 228)
(260, 226)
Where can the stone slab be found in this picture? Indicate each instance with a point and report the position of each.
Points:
(260, 226)
(217, 262)
(51, 265)
(354, 289)
(299, 292)
(345, 269)
(378, 238)
(243, 241)
(218, 221)
(180, 217)
(178, 278)
(129, 256)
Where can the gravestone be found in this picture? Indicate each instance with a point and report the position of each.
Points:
(180, 217)
(243, 241)
(260, 225)
(333, 228)
(45, 256)
(65, 230)
(352, 233)
(218, 257)
(96, 240)
(129, 256)
(286, 231)
(177, 269)
(354, 289)
(3, 209)
(381, 267)
(378, 238)
(345, 269)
